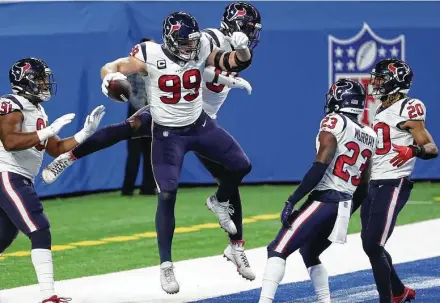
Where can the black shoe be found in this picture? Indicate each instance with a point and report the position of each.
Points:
(126, 194)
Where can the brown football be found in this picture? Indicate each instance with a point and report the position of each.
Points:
(119, 90)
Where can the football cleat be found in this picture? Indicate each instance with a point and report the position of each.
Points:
(222, 210)
(56, 299)
(408, 295)
(167, 278)
(235, 253)
(56, 167)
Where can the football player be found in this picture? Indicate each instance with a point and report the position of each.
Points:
(402, 137)
(25, 135)
(237, 17)
(172, 73)
(344, 150)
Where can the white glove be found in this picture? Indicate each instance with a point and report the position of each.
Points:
(239, 82)
(55, 127)
(91, 124)
(108, 78)
(238, 40)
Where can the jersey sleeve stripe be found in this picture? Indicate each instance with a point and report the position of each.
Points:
(144, 51)
(13, 99)
(213, 36)
(345, 121)
(402, 107)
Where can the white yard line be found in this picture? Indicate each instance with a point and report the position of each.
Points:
(213, 276)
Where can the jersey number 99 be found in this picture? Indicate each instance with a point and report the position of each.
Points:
(191, 80)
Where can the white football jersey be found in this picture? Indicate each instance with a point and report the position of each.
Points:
(386, 124)
(356, 144)
(215, 94)
(173, 86)
(25, 162)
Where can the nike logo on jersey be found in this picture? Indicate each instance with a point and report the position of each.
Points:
(204, 123)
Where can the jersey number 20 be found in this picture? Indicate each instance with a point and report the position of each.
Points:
(350, 161)
(191, 80)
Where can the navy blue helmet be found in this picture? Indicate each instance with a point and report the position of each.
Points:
(390, 76)
(346, 96)
(32, 78)
(242, 17)
(181, 35)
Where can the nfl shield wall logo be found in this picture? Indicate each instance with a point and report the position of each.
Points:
(354, 58)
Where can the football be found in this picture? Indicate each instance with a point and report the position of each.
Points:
(366, 55)
(119, 90)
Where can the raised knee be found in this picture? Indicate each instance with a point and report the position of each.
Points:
(41, 239)
(135, 123)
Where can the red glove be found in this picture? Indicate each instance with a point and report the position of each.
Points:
(404, 153)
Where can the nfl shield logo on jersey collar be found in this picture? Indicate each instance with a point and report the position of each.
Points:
(355, 57)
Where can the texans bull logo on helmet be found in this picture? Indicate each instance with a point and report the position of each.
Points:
(341, 88)
(399, 72)
(20, 71)
(234, 12)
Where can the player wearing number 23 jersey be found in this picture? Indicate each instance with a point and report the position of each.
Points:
(344, 148)
(400, 126)
(173, 78)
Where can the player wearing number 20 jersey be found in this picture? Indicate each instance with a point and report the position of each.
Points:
(173, 76)
(400, 126)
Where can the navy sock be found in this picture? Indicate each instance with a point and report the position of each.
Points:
(396, 284)
(41, 239)
(165, 224)
(237, 217)
(382, 272)
(103, 138)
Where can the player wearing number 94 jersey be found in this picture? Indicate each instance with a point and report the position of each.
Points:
(173, 79)
(399, 122)
(344, 148)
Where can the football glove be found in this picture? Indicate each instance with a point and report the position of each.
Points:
(91, 124)
(239, 82)
(238, 40)
(289, 214)
(108, 78)
(55, 127)
(404, 153)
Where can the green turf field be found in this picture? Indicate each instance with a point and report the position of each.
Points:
(105, 233)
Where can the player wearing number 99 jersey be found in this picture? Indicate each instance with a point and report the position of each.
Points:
(399, 122)
(344, 148)
(173, 78)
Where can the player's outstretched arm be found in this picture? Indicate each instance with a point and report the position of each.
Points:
(233, 61)
(56, 146)
(425, 147)
(209, 75)
(326, 152)
(13, 139)
(125, 66)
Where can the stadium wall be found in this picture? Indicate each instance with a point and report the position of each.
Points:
(290, 73)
